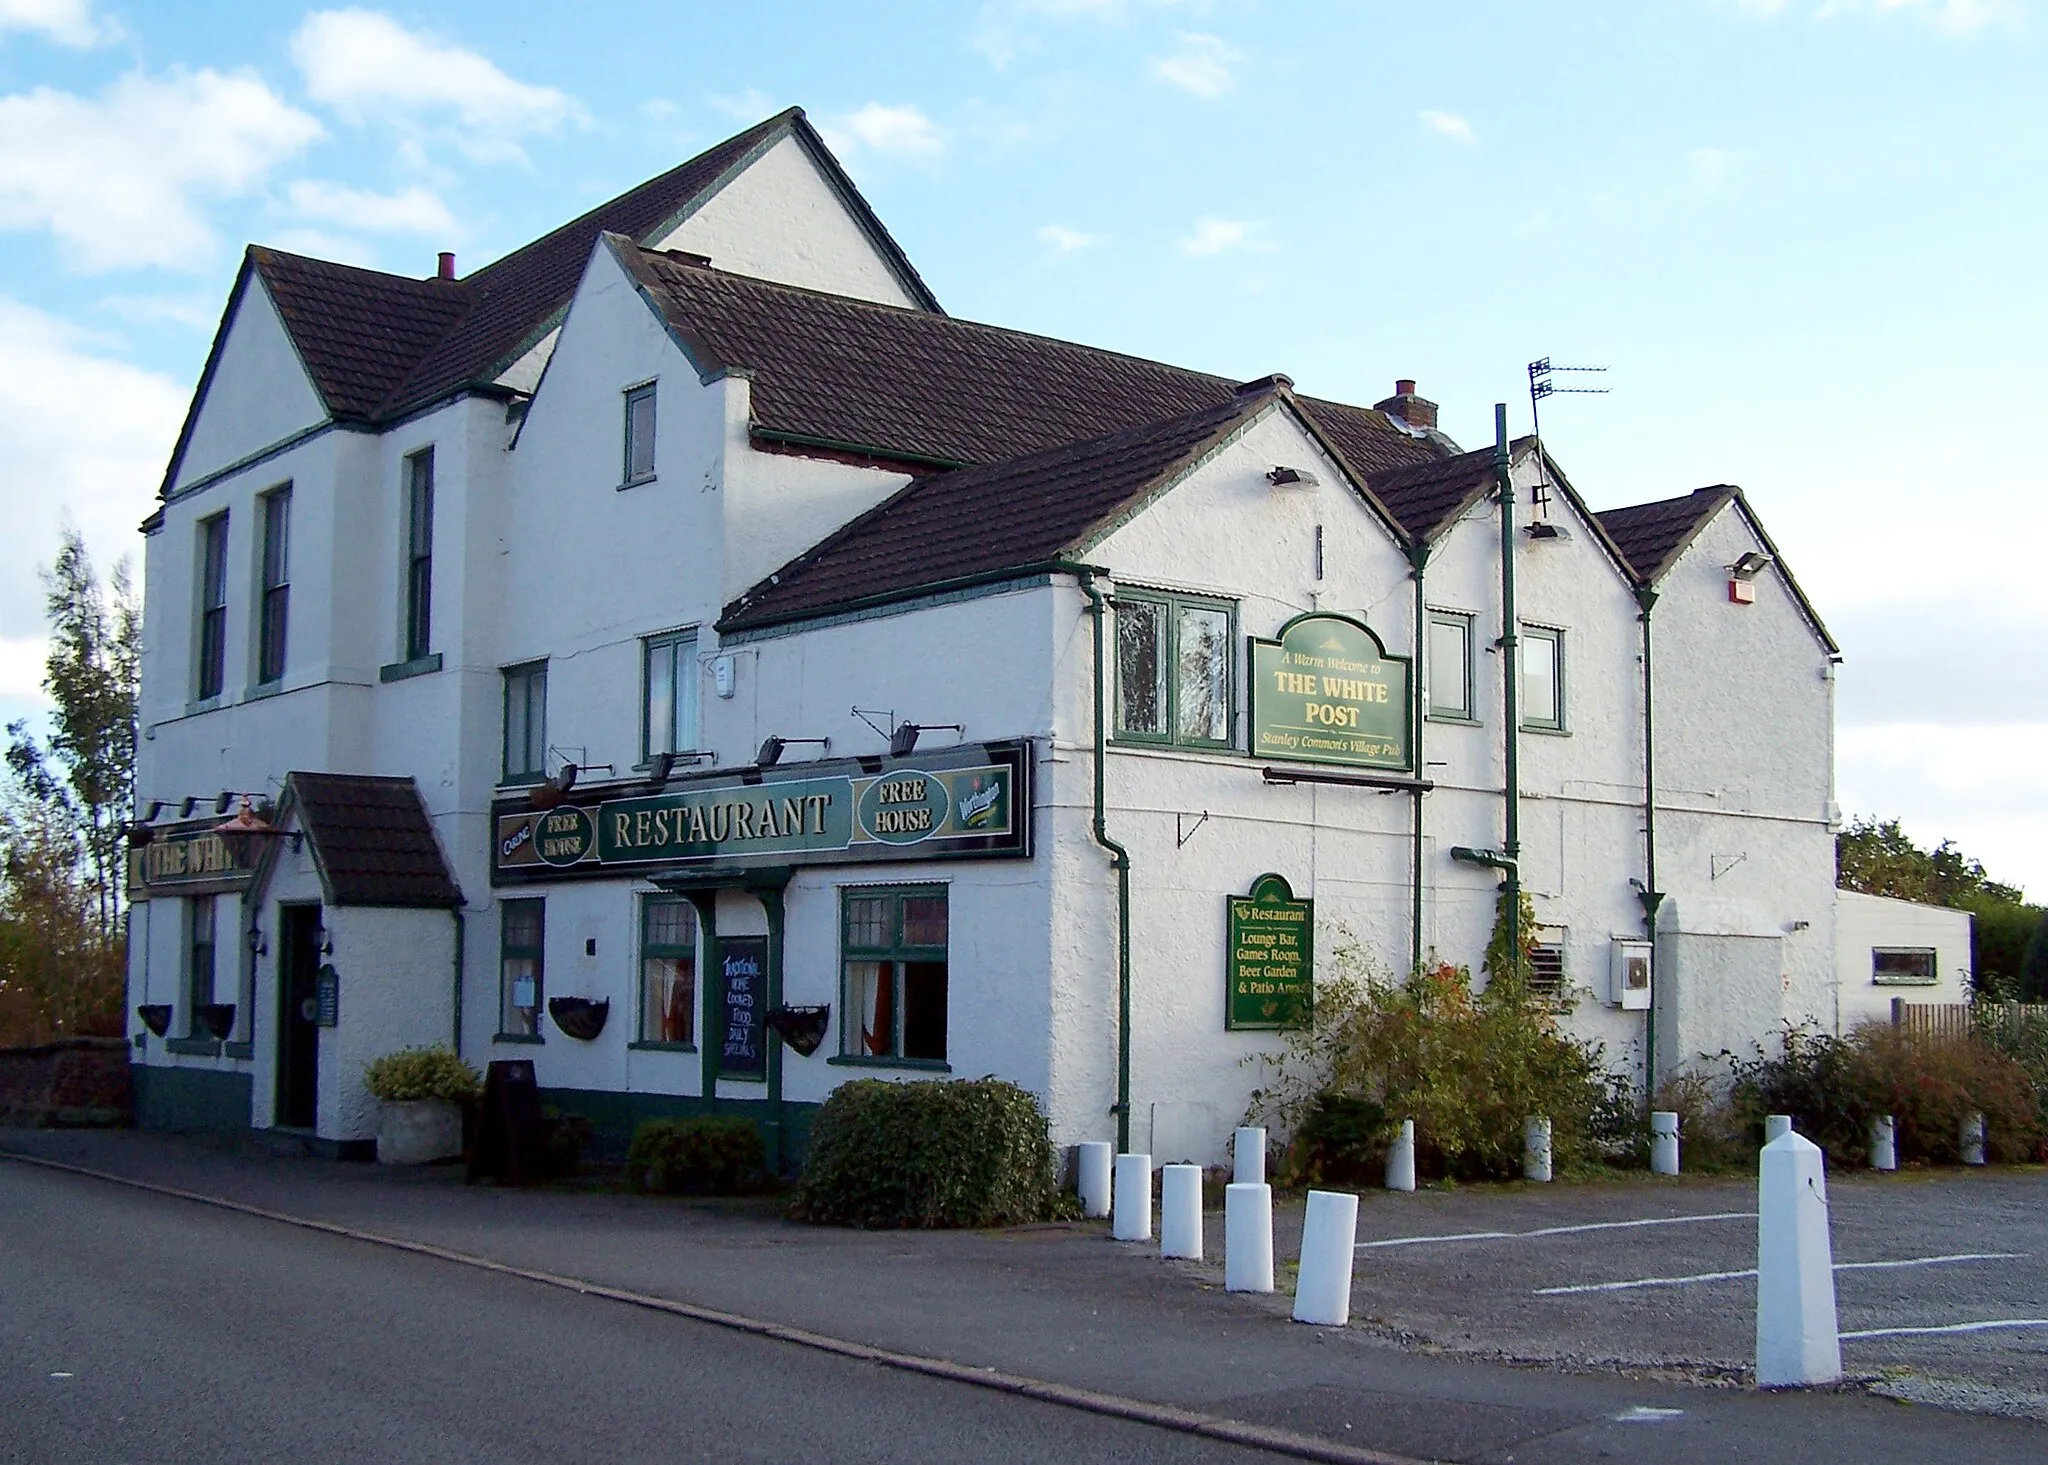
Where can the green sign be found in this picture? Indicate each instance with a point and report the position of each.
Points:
(1328, 692)
(1271, 965)
(964, 802)
(188, 858)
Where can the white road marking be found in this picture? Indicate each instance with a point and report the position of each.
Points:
(60, 1375)
(1559, 1230)
(1644, 1414)
(2020, 1322)
(1915, 1261)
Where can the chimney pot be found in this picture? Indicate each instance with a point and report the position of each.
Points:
(1405, 387)
(1418, 412)
(447, 268)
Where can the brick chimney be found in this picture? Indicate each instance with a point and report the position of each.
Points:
(1417, 412)
(447, 271)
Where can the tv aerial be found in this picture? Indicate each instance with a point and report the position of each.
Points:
(1541, 386)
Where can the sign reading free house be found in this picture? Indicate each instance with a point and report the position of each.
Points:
(970, 802)
(1328, 692)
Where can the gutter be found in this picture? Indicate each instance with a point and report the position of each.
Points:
(1120, 861)
(864, 450)
(461, 943)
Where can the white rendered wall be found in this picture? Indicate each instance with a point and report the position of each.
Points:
(259, 395)
(1865, 922)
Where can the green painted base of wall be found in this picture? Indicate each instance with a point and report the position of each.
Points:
(190, 1099)
(614, 1116)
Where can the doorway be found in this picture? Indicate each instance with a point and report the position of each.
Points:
(298, 1030)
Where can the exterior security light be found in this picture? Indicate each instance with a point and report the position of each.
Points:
(223, 801)
(772, 746)
(185, 810)
(1749, 565)
(156, 807)
(1284, 477)
(1546, 530)
(904, 739)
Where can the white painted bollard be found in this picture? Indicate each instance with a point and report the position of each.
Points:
(1663, 1142)
(1180, 1211)
(1536, 1149)
(1093, 1177)
(1248, 1153)
(1796, 1338)
(1884, 1143)
(1401, 1158)
(1247, 1238)
(1322, 1286)
(1776, 1126)
(1131, 1205)
(1973, 1139)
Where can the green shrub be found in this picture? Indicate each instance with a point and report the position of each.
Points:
(713, 1155)
(2021, 1034)
(1711, 1136)
(421, 1073)
(947, 1153)
(1343, 1141)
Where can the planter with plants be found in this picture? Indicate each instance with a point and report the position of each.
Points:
(422, 1091)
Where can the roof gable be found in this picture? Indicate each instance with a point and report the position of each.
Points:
(372, 840)
(1652, 536)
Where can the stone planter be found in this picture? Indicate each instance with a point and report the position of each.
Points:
(418, 1131)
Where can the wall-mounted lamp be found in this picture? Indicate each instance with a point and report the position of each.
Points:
(323, 940)
(156, 807)
(550, 791)
(772, 746)
(1285, 477)
(185, 809)
(1544, 529)
(904, 739)
(245, 834)
(1742, 577)
(259, 945)
(222, 802)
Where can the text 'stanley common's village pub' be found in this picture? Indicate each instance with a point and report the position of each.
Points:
(682, 632)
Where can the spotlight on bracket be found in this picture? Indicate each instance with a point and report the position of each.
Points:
(772, 748)
(1285, 477)
(904, 739)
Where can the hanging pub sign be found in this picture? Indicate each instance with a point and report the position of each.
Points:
(1270, 971)
(972, 801)
(185, 859)
(1328, 692)
(743, 963)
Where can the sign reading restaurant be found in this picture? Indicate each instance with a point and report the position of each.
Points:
(973, 801)
(1270, 967)
(1328, 692)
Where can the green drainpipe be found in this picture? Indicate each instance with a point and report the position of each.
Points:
(1120, 860)
(461, 931)
(1652, 897)
(1510, 681)
(1418, 557)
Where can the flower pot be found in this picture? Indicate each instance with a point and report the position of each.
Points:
(418, 1131)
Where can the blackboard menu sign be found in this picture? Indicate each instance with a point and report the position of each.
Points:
(743, 1051)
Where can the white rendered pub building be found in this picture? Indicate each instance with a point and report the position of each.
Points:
(683, 656)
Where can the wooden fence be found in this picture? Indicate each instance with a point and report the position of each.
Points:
(1959, 1019)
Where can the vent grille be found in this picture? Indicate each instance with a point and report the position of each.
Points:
(1546, 969)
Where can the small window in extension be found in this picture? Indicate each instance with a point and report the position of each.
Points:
(1903, 966)
(895, 973)
(1450, 666)
(273, 613)
(640, 433)
(1543, 678)
(1174, 671)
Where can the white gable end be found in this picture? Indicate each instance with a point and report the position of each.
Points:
(259, 393)
(781, 219)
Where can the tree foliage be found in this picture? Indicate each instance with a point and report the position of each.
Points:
(1877, 857)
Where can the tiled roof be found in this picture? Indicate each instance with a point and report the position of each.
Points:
(372, 840)
(977, 522)
(834, 371)
(358, 331)
(1650, 536)
(1423, 496)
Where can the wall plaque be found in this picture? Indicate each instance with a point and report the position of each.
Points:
(1270, 969)
(1328, 692)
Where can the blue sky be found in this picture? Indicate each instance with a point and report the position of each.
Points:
(1805, 235)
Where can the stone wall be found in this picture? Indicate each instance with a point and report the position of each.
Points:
(73, 1082)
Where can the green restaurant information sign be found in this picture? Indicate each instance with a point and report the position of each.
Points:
(1271, 965)
(1328, 692)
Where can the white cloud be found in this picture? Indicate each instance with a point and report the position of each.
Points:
(1220, 236)
(1447, 124)
(1200, 66)
(1984, 786)
(409, 211)
(368, 67)
(902, 132)
(343, 249)
(1068, 241)
(91, 433)
(1951, 17)
(1709, 166)
(202, 312)
(749, 106)
(67, 22)
(119, 178)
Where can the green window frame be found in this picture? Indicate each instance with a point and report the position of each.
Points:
(1543, 679)
(419, 554)
(202, 916)
(1452, 671)
(894, 973)
(526, 722)
(275, 590)
(522, 967)
(213, 607)
(1176, 664)
(668, 971)
(639, 446)
(668, 694)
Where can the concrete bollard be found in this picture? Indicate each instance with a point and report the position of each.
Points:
(1973, 1139)
(1248, 1152)
(1796, 1338)
(1663, 1142)
(1180, 1211)
(1093, 1177)
(1322, 1286)
(1776, 1126)
(1536, 1149)
(1884, 1143)
(1131, 1205)
(1247, 1238)
(1401, 1158)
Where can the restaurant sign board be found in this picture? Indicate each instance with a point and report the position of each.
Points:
(1327, 692)
(1271, 965)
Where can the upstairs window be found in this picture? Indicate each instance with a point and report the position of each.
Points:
(213, 605)
(640, 434)
(1175, 679)
(1543, 678)
(272, 613)
(668, 714)
(419, 554)
(1450, 666)
(526, 722)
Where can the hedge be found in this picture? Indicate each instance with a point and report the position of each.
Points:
(712, 1155)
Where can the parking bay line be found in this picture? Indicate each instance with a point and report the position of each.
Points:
(2018, 1322)
(1557, 1230)
(1915, 1261)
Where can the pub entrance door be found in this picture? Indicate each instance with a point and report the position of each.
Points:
(298, 1031)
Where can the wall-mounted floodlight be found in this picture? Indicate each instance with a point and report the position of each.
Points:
(1285, 477)
(904, 739)
(772, 746)
(222, 802)
(1543, 529)
(156, 807)
(185, 809)
(1749, 566)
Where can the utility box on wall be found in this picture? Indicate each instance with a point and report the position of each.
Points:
(1629, 976)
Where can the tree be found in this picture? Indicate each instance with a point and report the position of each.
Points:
(1877, 857)
(2033, 982)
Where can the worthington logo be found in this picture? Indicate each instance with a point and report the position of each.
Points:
(978, 808)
